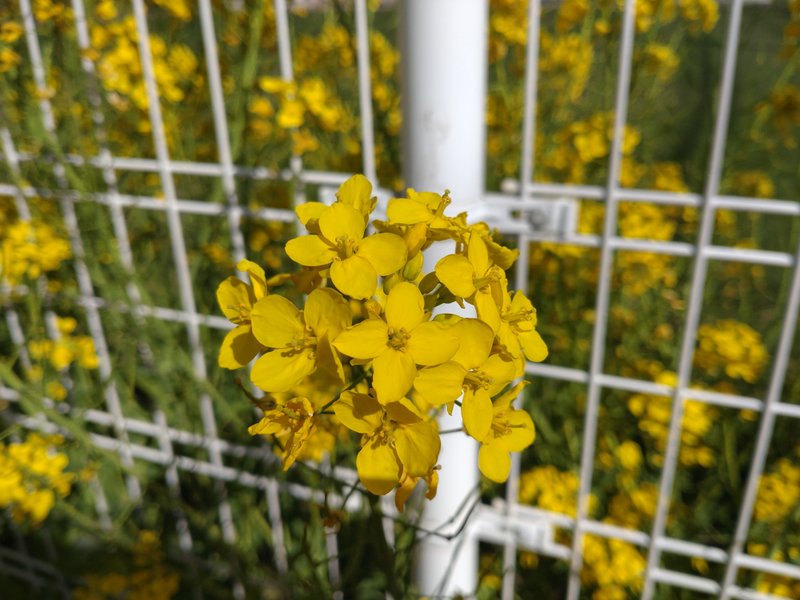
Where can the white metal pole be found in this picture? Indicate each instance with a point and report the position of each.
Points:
(444, 65)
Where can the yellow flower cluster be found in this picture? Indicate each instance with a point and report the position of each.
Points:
(386, 375)
(67, 349)
(771, 583)
(550, 489)
(702, 15)
(48, 10)
(778, 492)
(753, 183)
(566, 61)
(308, 102)
(115, 48)
(783, 107)
(150, 578)
(731, 347)
(610, 565)
(582, 143)
(653, 414)
(313, 105)
(29, 249)
(32, 477)
(10, 32)
(660, 60)
(614, 566)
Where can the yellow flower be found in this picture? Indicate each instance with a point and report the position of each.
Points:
(355, 261)
(293, 419)
(301, 339)
(517, 330)
(421, 207)
(778, 492)
(473, 277)
(473, 370)
(397, 441)
(731, 347)
(236, 300)
(511, 430)
(398, 342)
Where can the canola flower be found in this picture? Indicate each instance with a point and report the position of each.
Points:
(149, 577)
(30, 249)
(365, 352)
(33, 477)
(653, 414)
(732, 348)
(612, 568)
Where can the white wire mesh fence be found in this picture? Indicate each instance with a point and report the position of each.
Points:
(504, 523)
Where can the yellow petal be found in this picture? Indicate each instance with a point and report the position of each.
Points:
(378, 468)
(432, 343)
(357, 192)
(309, 212)
(500, 371)
(328, 360)
(326, 311)
(404, 492)
(310, 251)
(417, 447)
(520, 303)
(238, 348)
(405, 306)
(280, 371)
(340, 220)
(358, 412)
(408, 212)
(503, 402)
(276, 321)
(487, 310)
(533, 345)
(477, 254)
(456, 274)
(521, 433)
(265, 426)
(441, 384)
(235, 299)
(494, 462)
(365, 340)
(477, 413)
(385, 251)
(258, 279)
(393, 375)
(354, 276)
(475, 339)
(403, 411)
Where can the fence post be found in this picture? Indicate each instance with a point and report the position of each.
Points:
(444, 65)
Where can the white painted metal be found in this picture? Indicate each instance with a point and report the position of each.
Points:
(444, 63)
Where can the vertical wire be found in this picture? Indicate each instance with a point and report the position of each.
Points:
(179, 255)
(522, 267)
(603, 295)
(695, 303)
(765, 430)
(82, 274)
(221, 128)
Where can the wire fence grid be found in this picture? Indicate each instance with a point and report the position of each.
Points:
(505, 523)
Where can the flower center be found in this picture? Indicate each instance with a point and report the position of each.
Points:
(477, 379)
(346, 246)
(488, 279)
(300, 343)
(398, 338)
(524, 314)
